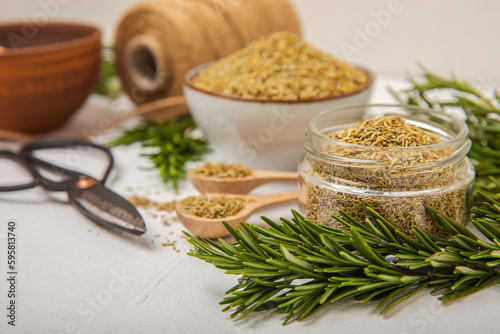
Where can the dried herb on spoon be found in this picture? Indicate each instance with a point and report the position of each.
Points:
(213, 206)
(222, 170)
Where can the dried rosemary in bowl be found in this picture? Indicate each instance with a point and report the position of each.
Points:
(399, 164)
(281, 67)
(222, 170)
(213, 206)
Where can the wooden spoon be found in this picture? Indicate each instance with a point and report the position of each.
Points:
(242, 185)
(213, 228)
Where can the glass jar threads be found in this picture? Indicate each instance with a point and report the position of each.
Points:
(403, 161)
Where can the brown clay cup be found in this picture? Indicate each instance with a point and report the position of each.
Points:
(46, 73)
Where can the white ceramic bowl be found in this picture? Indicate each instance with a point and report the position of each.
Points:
(260, 134)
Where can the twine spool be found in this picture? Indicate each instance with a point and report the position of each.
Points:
(156, 43)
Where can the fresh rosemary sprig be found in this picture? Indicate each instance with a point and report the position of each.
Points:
(483, 120)
(171, 141)
(172, 145)
(298, 267)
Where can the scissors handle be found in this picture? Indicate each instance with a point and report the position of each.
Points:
(32, 164)
(27, 153)
(18, 160)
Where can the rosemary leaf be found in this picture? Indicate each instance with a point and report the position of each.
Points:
(172, 145)
(108, 83)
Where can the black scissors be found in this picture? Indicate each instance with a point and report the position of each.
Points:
(87, 194)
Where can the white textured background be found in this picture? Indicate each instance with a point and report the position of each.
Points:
(66, 263)
(444, 35)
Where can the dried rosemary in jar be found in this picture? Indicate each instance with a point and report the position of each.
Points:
(281, 67)
(213, 206)
(222, 170)
(400, 163)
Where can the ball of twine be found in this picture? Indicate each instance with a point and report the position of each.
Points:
(156, 43)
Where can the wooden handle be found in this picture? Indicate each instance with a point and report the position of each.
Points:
(171, 106)
(265, 200)
(269, 176)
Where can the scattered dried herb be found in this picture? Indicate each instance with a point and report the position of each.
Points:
(145, 203)
(213, 206)
(169, 244)
(282, 67)
(399, 185)
(222, 170)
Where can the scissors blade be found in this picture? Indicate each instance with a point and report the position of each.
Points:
(107, 208)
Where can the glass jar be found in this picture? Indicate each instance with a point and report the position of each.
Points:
(398, 182)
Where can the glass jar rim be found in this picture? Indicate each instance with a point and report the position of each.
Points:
(457, 139)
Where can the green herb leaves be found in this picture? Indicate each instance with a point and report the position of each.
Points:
(108, 83)
(298, 267)
(171, 145)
